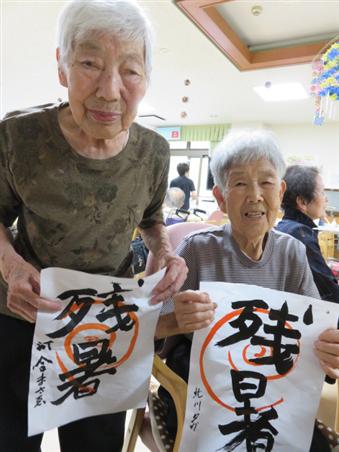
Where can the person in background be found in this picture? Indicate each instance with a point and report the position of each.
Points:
(79, 177)
(186, 184)
(174, 200)
(247, 168)
(303, 202)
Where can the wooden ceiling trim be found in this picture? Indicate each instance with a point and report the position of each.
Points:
(223, 35)
(206, 16)
(285, 56)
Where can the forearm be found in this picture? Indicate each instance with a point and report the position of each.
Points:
(8, 256)
(157, 241)
(167, 326)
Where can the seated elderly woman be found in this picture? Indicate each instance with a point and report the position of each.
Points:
(174, 200)
(247, 170)
(303, 202)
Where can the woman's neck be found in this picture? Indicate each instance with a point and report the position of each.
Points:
(92, 148)
(253, 248)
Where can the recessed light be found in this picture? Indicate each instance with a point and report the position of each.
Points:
(280, 92)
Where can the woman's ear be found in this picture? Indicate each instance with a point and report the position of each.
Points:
(282, 190)
(301, 203)
(219, 198)
(61, 72)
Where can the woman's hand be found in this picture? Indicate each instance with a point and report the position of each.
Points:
(327, 350)
(193, 310)
(174, 278)
(23, 290)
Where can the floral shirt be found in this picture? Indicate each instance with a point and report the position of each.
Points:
(72, 211)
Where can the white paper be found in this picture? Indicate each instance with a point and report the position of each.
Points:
(102, 362)
(294, 396)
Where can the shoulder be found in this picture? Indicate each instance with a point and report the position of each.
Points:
(28, 113)
(299, 230)
(27, 122)
(143, 135)
(174, 181)
(287, 244)
(204, 238)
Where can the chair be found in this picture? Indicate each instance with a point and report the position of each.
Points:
(326, 243)
(217, 217)
(175, 385)
(177, 232)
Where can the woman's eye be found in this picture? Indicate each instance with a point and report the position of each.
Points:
(89, 64)
(132, 72)
(239, 184)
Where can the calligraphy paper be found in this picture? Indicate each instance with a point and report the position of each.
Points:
(254, 381)
(95, 355)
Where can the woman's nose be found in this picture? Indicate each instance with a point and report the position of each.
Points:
(254, 193)
(109, 86)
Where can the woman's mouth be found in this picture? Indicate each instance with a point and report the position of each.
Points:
(257, 214)
(104, 116)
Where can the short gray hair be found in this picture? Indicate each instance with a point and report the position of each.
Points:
(123, 18)
(243, 147)
(175, 197)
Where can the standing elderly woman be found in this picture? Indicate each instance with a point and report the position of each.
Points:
(78, 177)
(303, 202)
(247, 170)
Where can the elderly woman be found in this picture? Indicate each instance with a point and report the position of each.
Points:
(174, 201)
(303, 202)
(79, 177)
(247, 170)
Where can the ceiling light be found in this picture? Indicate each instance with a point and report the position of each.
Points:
(281, 92)
(256, 10)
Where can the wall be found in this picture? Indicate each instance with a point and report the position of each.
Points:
(316, 145)
(310, 144)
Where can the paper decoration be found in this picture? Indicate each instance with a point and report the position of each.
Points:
(325, 82)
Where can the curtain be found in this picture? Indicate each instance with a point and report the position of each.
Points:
(210, 132)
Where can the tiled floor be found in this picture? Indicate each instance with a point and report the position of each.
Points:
(50, 441)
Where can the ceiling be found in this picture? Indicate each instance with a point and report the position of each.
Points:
(219, 92)
(254, 35)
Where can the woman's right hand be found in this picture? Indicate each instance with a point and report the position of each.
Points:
(193, 310)
(23, 296)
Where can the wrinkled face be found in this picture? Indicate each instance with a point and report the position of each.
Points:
(316, 208)
(106, 81)
(252, 199)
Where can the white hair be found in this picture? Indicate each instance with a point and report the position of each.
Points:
(243, 147)
(123, 18)
(175, 197)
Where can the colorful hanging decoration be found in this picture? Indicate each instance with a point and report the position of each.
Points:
(325, 82)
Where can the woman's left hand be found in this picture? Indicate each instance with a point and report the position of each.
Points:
(174, 278)
(327, 350)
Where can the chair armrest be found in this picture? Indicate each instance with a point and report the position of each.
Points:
(177, 388)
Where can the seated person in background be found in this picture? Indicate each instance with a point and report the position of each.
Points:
(247, 170)
(304, 201)
(174, 200)
(186, 184)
